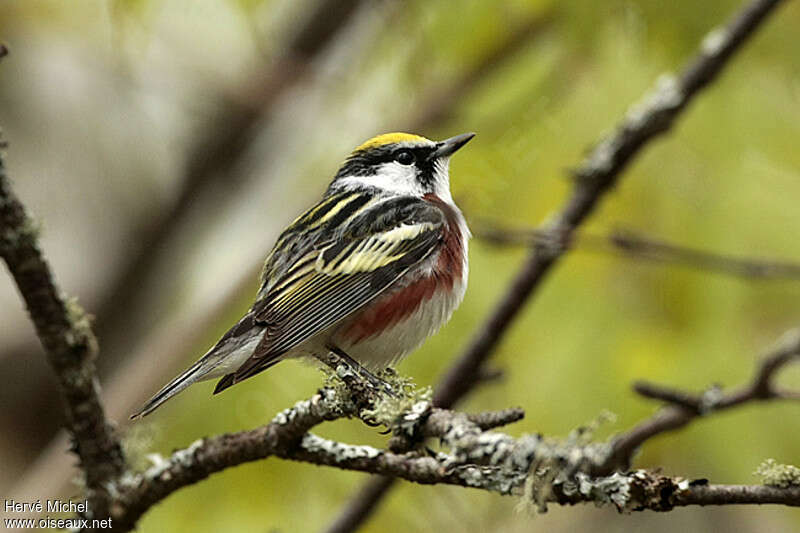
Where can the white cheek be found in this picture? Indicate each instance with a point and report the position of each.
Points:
(441, 186)
(392, 177)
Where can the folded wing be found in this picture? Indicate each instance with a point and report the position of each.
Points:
(333, 278)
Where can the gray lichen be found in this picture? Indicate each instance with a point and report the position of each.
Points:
(339, 451)
(775, 474)
(27, 233)
(161, 467)
(715, 41)
(710, 399)
(403, 410)
(80, 335)
(136, 441)
(663, 98)
(613, 489)
(561, 464)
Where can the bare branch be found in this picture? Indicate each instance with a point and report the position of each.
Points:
(362, 505)
(684, 407)
(64, 331)
(637, 246)
(594, 178)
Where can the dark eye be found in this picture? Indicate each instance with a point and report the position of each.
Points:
(405, 157)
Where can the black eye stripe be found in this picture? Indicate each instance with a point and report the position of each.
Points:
(365, 163)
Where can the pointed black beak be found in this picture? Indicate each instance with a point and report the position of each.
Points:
(448, 147)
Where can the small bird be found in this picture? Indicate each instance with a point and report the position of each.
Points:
(368, 273)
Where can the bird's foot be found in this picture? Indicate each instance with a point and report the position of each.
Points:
(358, 379)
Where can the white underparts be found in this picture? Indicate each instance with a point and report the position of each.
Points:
(399, 340)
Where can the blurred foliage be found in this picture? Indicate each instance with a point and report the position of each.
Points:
(726, 179)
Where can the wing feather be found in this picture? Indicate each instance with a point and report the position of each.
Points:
(331, 279)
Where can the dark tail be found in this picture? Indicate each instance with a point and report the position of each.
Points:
(238, 338)
(224, 383)
(183, 380)
(233, 378)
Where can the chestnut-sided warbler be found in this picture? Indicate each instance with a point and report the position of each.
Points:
(371, 271)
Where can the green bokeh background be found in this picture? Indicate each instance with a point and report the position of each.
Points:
(727, 179)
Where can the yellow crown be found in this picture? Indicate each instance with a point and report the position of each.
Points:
(389, 138)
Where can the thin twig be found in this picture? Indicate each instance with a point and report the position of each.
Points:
(64, 331)
(684, 407)
(598, 174)
(637, 246)
(363, 505)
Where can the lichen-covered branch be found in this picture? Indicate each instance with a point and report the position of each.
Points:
(538, 469)
(684, 407)
(287, 437)
(639, 490)
(541, 470)
(207, 456)
(64, 331)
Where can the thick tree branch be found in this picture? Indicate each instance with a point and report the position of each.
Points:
(596, 176)
(639, 490)
(64, 331)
